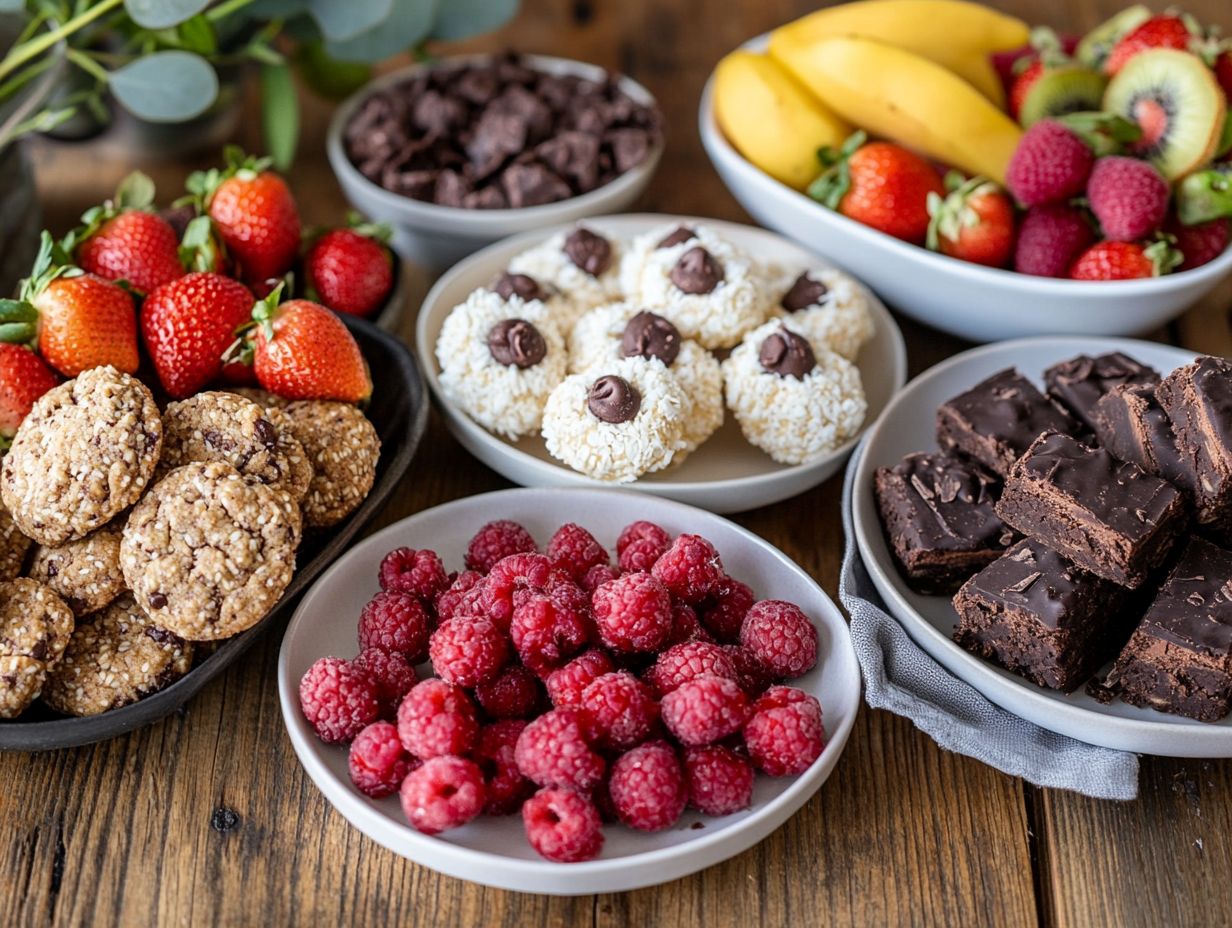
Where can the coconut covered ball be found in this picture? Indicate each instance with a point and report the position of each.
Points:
(617, 421)
(500, 359)
(794, 400)
(826, 305)
(581, 264)
(563, 311)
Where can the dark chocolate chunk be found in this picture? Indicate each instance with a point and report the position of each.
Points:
(158, 600)
(516, 343)
(588, 251)
(497, 137)
(649, 336)
(574, 156)
(805, 292)
(520, 285)
(697, 271)
(1078, 384)
(676, 236)
(435, 113)
(630, 147)
(266, 433)
(1198, 401)
(613, 399)
(787, 354)
(518, 102)
(532, 185)
(451, 188)
(1131, 424)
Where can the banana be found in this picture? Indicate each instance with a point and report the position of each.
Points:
(902, 96)
(772, 119)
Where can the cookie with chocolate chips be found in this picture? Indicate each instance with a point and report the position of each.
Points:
(343, 448)
(85, 573)
(13, 546)
(35, 627)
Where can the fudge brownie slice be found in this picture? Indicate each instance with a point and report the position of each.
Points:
(1107, 516)
(938, 513)
(1179, 658)
(996, 420)
(1078, 384)
(1132, 426)
(1198, 401)
(1041, 617)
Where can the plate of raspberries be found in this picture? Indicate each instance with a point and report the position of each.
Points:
(567, 691)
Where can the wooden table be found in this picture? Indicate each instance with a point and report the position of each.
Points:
(208, 818)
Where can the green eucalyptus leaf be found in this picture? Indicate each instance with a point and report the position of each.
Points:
(328, 77)
(170, 86)
(163, 14)
(460, 19)
(341, 21)
(11, 6)
(279, 114)
(197, 35)
(408, 25)
(277, 9)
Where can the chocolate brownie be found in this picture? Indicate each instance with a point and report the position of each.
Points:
(1179, 658)
(1077, 384)
(938, 513)
(1198, 401)
(1105, 515)
(1132, 426)
(997, 419)
(1041, 617)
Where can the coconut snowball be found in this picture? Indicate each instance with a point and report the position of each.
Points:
(562, 310)
(548, 264)
(839, 320)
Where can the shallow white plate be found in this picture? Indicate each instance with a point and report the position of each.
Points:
(494, 851)
(726, 474)
(906, 426)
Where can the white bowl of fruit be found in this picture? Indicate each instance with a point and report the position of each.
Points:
(1085, 191)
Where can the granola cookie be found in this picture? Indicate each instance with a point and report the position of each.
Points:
(86, 572)
(35, 627)
(85, 453)
(13, 546)
(261, 397)
(343, 447)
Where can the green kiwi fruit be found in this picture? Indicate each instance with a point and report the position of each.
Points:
(1095, 46)
(1176, 101)
(1068, 89)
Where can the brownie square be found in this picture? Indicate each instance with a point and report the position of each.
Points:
(1179, 658)
(1107, 516)
(939, 516)
(1041, 617)
(1132, 426)
(1078, 384)
(996, 420)
(1198, 401)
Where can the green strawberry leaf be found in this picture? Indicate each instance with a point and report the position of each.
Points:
(18, 323)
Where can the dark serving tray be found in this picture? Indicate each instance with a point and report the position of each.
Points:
(399, 410)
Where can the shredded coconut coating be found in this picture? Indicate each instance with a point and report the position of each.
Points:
(794, 421)
(86, 572)
(548, 264)
(561, 308)
(617, 452)
(841, 321)
(503, 399)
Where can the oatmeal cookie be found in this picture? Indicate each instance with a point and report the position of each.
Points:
(261, 397)
(35, 627)
(13, 546)
(343, 448)
(85, 573)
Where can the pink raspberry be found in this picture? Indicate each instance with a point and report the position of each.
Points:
(437, 718)
(705, 709)
(392, 675)
(338, 699)
(647, 787)
(509, 576)
(781, 637)
(467, 652)
(575, 551)
(496, 541)
(505, 786)
(512, 694)
(1201, 243)
(685, 625)
(776, 697)
(446, 792)
(553, 751)
(687, 661)
(420, 573)
(546, 633)
(378, 763)
(566, 684)
(597, 576)
(395, 622)
(720, 781)
(1050, 238)
(750, 673)
(1129, 197)
(621, 711)
(641, 544)
(563, 825)
(690, 569)
(785, 734)
(723, 613)
(463, 597)
(1050, 164)
(633, 613)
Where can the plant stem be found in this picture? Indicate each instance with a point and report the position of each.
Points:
(225, 9)
(87, 64)
(17, 81)
(36, 47)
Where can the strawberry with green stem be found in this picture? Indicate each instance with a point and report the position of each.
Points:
(1126, 260)
(973, 222)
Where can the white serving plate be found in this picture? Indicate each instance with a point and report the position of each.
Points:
(965, 299)
(494, 852)
(726, 474)
(906, 426)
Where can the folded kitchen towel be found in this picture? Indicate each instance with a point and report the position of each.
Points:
(901, 677)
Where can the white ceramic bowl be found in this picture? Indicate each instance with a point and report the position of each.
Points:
(494, 851)
(726, 474)
(436, 237)
(965, 299)
(906, 426)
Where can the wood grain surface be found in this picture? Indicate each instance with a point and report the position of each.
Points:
(207, 817)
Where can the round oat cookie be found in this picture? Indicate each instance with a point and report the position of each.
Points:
(84, 454)
(261, 397)
(343, 447)
(208, 551)
(13, 546)
(116, 658)
(86, 572)
(35, 627)
(21, 679)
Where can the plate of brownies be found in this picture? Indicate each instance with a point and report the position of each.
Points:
(1051, 519)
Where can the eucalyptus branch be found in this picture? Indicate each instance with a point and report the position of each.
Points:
(47, 40)
(20, 79)
(225, 9)
(87, 64)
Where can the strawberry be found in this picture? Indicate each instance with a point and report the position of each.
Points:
(1022, 85)
(303, 351)
(975, 222)
(1124, 261)
(879, 184)
(350, 270)
(1223, 72)
(187, 326)
(23, 379)
(1165, 30)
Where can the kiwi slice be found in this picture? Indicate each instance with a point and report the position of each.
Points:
(1068, 89)
(1095, 46)
(1176, 101)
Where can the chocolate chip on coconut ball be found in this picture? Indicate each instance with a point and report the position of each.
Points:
(581, 264)
(828, 306)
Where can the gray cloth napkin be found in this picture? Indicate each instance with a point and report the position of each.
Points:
(900, 677)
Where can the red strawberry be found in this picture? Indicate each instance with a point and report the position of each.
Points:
(303, 351)
(1166, 30)
(188, 325)
(975, 222)
(350, 270)
(1022, 86)
(23, 379)
(1124, 261)
(1199, 244)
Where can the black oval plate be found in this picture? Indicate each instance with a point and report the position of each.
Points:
(399, 410)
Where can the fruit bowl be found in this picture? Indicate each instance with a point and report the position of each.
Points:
(964, 299)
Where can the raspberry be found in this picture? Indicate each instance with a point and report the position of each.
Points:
(575, 551)
(566, 684)
(553, 752)
(690, 569)
(720, 781)
(1201, 243)
(392, 675)
(781, 637)
(519, 572)
(687, 661)
(495, 541)
(1050, 238)
(1050, 164)
(785, 733)
(597, 576)
(723, 613)
(621, 711)
(1129, 197)
(378, 763)
(512, 694)
(338, 699)
(467, 652)
(647, 787)
(446, 792)
(705, 709)
(463, 597)
(395, 622)
(640, 545)
(563, 825)
(685, 625)
(545, 633)
(505, 786)
(750, 673)
(437, 718)
(420, 573)
(633, 613)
